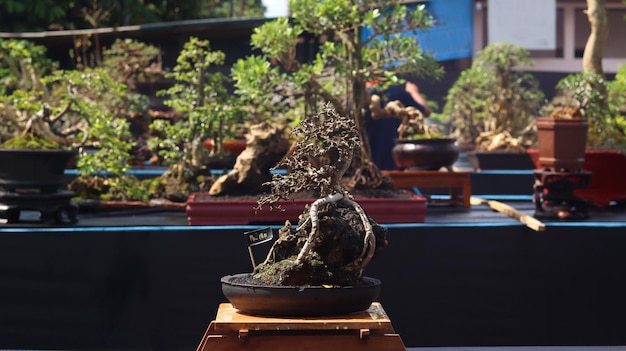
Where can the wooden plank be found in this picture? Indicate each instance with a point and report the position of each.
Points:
(531, 222)
(367, 330)
(228, 318)
(303, 342)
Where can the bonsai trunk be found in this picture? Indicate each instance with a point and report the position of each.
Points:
(594, 49)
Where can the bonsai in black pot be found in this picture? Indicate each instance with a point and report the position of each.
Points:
(50, 118)
(420, 146)
(315, 267)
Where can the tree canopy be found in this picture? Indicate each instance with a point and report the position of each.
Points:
(41, 15)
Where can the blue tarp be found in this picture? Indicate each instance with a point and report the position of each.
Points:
(452, 35)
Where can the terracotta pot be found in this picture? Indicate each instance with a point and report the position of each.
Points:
(232, 146)
(425, 154)
(561, 143)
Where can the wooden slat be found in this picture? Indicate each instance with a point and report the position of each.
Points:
(531, 222)
(364, 331)
(228, 318)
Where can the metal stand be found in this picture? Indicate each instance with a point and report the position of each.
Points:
(367, 330)
(554, 196)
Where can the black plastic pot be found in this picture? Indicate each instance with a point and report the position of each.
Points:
(40, 170)
(298, 301)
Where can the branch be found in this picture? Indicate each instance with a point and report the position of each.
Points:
(319, 89)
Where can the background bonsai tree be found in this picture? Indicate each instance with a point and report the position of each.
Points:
(22, 64)
(617, 91)
(587, 94)
(61, 108)
(208, 111)
(491, 104)
(334, 239)
(86, 111)
(599, 29)
(359, 41)
(412, 121)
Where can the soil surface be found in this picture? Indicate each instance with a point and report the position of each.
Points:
(249, 280)
(357, 194)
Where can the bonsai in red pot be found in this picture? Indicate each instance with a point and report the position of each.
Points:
(583, 127)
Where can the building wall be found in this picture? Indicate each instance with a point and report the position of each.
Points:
(572, 32)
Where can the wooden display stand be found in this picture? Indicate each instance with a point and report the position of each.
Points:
(367, 330)
(436, 179)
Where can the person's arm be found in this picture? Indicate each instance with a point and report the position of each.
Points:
(414, 91)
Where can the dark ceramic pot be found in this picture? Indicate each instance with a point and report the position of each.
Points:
(425, 154)
(298, 301)
(495, 160)
(42, 170)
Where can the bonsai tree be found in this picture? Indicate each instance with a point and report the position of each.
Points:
(412, 123)
(358, 41)
(208, 111)
(63, 109)
(22, 63)
(599, 29)
(491, 104)
(587, 94)
(85, 111)
(334, 239)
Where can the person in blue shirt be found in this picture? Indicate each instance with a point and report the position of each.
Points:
(383, 132)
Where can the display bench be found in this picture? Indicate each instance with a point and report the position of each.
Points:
(367, 330)
(454, 181)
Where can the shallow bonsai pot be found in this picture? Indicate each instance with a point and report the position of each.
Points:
(298, 301)
(500, 160)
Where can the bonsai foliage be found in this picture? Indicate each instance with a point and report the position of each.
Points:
(79, 110)
(412, 125)
(347, 57)
(22, 63)
(131, 61)
(67, 111)
(617, 90)
(588, 95)
(207, 109)
(334, 239)
(493, 105)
